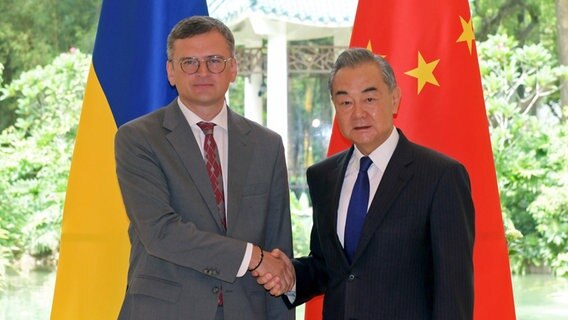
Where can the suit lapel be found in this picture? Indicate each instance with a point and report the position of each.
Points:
(241, 146)
(335, 180)
(183, 141)
(396, 176)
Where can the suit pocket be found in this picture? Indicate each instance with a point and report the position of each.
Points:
(155, 287)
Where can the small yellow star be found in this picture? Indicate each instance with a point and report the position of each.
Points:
(467, 34)
(370, 48)
(424, 72)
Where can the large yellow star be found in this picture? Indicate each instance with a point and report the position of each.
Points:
(467, 34)
(424, 72)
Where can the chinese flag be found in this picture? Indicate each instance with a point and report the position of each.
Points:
(431, 46)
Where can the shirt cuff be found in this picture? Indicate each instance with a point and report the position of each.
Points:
(246, 261)
(291, 295)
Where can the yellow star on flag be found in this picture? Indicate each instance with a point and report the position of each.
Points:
(370, 48)
(467, 34)
(424, 72)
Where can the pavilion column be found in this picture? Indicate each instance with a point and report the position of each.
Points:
(253, 94)
(277, 83)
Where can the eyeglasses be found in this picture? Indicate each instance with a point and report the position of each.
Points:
(215, 64)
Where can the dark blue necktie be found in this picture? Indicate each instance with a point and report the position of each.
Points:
(357, 209)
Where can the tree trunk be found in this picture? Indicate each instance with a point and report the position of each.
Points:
(562, 43)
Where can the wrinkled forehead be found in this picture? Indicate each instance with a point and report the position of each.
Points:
(362, 78)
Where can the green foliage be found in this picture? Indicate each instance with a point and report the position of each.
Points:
(521, 86)
(237, 95)
(528, 21)
(35, 154)
(301, 212)
(310, 119)
(4, 258)
(34, 32)
(550, 210)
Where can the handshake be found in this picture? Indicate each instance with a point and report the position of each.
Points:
(273, 270)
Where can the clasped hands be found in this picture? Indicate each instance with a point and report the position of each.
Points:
(275, 272)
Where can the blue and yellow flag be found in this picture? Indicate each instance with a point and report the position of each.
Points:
(127, 79)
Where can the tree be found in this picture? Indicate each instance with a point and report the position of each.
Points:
(35, 156)
(33, 32)
(528, 147)
(528, 22)
(562, 44)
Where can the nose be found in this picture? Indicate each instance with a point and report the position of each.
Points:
(202, 69)
(358, 110)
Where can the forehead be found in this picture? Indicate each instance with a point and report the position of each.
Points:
(205, 44)
(358, 78)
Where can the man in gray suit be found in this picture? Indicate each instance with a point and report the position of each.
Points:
(393, 224)
(206, 191)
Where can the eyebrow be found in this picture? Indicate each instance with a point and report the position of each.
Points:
(369, 89)
(204, 57)
(366, 90)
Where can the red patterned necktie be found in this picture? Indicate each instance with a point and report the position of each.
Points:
(213, 165)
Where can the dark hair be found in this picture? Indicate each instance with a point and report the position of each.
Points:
(353, 57)
(197, 25)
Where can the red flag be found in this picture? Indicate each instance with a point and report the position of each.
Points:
(431, 46)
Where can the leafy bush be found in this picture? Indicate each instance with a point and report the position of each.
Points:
(528, 134)
(35, 155)
(301, 212)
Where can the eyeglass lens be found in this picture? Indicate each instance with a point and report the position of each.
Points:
(214, 64)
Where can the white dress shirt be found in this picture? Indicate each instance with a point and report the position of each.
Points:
(380, 158)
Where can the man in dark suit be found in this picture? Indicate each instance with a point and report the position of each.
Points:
(205, 190)
(409, 255)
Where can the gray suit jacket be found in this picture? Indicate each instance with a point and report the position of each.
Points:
(415, 255)
(180, 253)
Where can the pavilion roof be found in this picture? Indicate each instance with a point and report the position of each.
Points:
(319, 13)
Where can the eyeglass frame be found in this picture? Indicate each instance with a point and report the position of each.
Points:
(199, 61)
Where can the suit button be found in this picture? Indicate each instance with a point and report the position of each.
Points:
(215, 290)
(351, 277)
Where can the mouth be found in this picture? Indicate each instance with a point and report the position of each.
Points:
(202, 85)
(359, 128)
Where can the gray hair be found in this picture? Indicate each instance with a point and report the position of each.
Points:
(196, 25)
(353, 57)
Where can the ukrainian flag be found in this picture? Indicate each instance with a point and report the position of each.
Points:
(127, 79)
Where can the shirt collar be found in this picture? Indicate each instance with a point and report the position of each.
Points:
(382, 154)
(220, 119)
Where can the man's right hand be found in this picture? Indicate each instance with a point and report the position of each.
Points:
(276, 273)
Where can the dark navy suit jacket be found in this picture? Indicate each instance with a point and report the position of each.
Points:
(415, 255)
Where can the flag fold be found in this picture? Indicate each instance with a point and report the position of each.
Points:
(431, 46)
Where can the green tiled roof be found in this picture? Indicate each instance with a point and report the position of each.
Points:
(321, 13)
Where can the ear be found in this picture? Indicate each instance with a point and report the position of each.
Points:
(234, 68)
(170, 71)
(396, 96)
